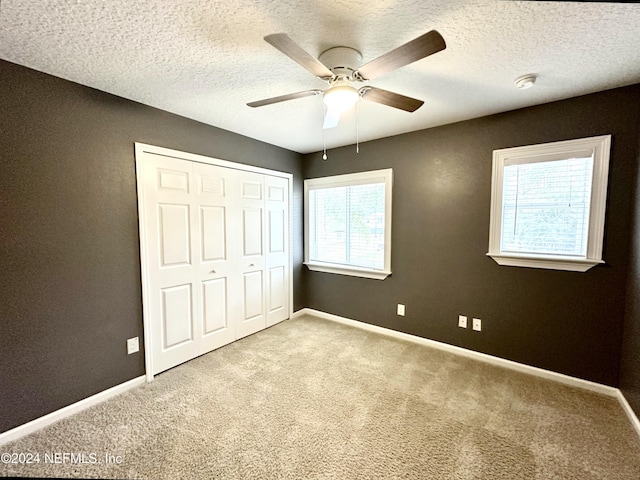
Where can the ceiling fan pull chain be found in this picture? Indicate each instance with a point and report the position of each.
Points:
(324, 134)
(324, 148)
(358, 126)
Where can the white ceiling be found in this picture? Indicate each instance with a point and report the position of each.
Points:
(206, 59)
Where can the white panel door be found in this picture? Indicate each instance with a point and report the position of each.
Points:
(277, 249)
(252, 255)
(216, 197)
(215, 254)
(171, 219)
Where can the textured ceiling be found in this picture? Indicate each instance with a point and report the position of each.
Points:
(206, 59)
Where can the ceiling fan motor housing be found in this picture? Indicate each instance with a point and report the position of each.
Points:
(342, 61)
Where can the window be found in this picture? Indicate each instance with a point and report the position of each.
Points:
(348, 224)
(548, 204)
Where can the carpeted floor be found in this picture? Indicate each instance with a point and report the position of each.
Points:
(314, 399)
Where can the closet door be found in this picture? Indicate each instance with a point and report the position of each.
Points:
(277, 249)
(216, 198)
(171, 222)
(214, 254)
(252, 257)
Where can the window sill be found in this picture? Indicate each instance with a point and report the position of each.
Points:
(344, 270)
(545, 261)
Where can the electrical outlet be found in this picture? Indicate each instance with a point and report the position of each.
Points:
(133, 345)
(477, 324)
(462, 321)
(401, 310)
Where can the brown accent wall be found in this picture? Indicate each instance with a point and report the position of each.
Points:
(70, 273)
(567, 322)
(630, 365)
(69, 264)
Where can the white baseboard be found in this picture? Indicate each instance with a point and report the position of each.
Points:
(629, 411)
(483, 357)
(38, 423)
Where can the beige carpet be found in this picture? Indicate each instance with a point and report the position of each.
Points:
(314, 399)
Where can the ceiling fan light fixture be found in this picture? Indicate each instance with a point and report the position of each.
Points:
(340, 98)
(339, 67)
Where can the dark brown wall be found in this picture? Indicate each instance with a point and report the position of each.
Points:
(630, 366)
(69, 265)
(567, 322)
(70, 282)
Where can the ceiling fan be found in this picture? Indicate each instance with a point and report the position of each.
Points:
(338, 66)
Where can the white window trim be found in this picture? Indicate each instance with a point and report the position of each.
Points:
(375, 176)
(600, 147)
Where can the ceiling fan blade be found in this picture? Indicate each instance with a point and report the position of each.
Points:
(391, 99)
(295, 52)
(331, 118)
(421, 47)
(284, 98)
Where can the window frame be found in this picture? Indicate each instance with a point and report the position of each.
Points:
(360, 178)
(600, 146)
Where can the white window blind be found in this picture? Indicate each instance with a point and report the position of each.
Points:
(545, 207)
(548, 204)
(348, 224)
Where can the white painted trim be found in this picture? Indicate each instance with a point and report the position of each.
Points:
(192, 157)
(347, 270)
(483, 357)
(541, 261)
(144, 272)
(384, 176)
(629, 411)
(302, 312)
(291, 224)
(69, 410)
(599, 147)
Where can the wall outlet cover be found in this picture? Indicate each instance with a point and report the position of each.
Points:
(133, 345)
(401, 309)
(462, 321)
(477, 324)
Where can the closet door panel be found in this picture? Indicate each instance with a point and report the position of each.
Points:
(277, 255)
(253, 295)
(217, 200)
(277, 290)
(177, 316)
(252, 256)
(214, 308)
(252, 232)
(214, 232)
(172, 302)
